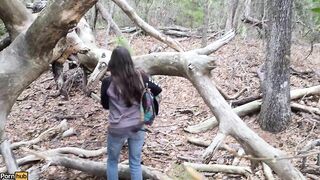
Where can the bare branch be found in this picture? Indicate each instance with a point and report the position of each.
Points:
(146, 27)
(63, 126)
(211, 48)
(107, 17)
(213, 147)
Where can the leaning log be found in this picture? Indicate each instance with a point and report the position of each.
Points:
(252, 107)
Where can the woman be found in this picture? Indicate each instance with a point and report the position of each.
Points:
(121, 93)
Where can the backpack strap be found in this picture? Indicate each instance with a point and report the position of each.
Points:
(141, 80)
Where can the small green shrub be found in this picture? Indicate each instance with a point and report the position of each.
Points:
(3, 29)
(122, 41)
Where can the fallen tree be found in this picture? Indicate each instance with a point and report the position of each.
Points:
(195, 65)
(88, 166)
(254, 106)
(36, 53)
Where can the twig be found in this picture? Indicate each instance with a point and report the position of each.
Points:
(63, 126)
(245, 100)
(304, 108)
(305, 150)
(309, 146)
(185, 158)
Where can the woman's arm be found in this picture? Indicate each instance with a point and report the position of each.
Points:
(104, 97)
(155, 89)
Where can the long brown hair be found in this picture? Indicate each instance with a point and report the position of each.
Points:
(125, 76)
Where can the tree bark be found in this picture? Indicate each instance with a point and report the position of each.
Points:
(205, 23)
(20, 68)
(15, 16)
(249, 19)
(248, 108)
(232, 8)
(5, 42)
(107, 17)
(8, 157)
(275, 110)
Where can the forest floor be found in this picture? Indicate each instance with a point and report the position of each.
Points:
(181, 106)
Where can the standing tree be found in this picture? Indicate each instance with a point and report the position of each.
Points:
(205, 27)
(231, 19)
(275, 109)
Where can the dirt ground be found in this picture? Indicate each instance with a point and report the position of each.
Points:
(181, 106)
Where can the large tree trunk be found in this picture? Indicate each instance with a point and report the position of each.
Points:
(275, 110)
(20, 68)
(15, 17)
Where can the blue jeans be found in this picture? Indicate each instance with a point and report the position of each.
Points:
(114, 147)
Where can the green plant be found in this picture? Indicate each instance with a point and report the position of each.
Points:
(191, 11)
(122, 41)
(2, 29)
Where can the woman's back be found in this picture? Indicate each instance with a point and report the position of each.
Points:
(121, 115)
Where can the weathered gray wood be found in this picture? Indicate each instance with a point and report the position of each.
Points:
(15, 17)
(232, 6)
(107, 17)
(5, 42)
(220, 168)
(248, 108)
(8, 157)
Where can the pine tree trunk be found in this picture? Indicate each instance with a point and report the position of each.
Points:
(275, 109)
